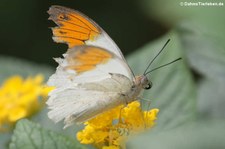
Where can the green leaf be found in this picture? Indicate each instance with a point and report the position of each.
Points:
(200, 135)
(211, 99)
(173, 90)
(205, 52)
(4, 139)
(14, 66)
(29, 135)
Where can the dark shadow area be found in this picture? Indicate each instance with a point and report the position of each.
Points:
(25, 27)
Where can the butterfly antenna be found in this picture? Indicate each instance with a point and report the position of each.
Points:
(164, 65)
(156, 56)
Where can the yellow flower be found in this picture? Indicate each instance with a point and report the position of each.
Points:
(110, 147)
(111, 129)
(20, 98)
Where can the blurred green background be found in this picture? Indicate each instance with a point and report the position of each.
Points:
(190, 94)
(25, 29)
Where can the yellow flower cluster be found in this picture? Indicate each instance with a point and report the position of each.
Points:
(20, 98)
(110, 129)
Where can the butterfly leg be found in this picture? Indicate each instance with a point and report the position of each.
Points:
(142, 100)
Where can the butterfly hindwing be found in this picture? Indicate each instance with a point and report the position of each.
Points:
(84, 101)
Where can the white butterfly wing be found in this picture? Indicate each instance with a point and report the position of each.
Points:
(88, 81)
(93, 75)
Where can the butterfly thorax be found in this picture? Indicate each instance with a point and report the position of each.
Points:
(140, 82)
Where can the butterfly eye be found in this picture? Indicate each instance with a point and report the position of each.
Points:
(148, 86)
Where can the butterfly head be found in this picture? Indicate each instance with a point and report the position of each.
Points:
(143, 81)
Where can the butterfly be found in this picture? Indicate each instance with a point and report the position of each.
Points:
(93, 75)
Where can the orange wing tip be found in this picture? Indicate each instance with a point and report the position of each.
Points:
(74, 28)
(66, 14)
